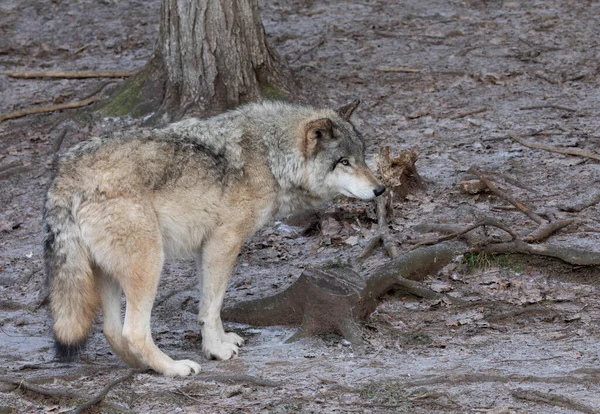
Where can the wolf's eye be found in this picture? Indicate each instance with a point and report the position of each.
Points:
(345, 162)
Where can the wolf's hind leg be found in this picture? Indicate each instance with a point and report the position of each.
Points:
(111, 293)
(125, 241)
(140, 290)
(219, 253)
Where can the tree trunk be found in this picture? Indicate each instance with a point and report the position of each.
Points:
(211, 55)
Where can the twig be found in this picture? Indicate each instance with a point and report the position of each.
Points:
(239, 378)
(395, 69)
(517, 312)
(411, 35)
(507, 197)
(82, 74)
(545, 231)
(578, 152)
(49, 108)
(476, 377)
(464, 114)
(13, 171)
(484, 222)
(553, 399)
(102, 394)
(561, 108)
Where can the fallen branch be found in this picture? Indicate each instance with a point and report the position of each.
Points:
(565, 151)
(570, 255)
(506, 197)
(49, 108)
(554, 400)
(81, 74)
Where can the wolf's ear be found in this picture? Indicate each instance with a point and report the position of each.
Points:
(346, 111)
(314, 131)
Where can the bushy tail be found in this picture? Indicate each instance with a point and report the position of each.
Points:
(72, 289)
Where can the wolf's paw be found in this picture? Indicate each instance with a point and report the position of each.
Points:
(183, 368)
(233, 338)
(221, 351)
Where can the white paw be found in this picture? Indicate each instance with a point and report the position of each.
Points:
(220, 350)
(183, 368)
(233, 338)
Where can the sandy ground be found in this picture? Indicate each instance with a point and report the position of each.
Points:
(528, 341)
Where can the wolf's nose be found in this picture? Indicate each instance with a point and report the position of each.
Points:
(379, 190)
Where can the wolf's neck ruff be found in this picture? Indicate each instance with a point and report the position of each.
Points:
(120, 204)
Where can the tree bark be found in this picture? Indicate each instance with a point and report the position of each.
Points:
(211, 55)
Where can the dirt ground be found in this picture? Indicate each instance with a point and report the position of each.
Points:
(528, 339)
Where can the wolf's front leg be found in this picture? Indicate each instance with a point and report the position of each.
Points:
(218, 256)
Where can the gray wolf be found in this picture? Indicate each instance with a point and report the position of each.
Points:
(120, 204)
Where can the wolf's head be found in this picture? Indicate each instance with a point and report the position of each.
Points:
(334, 154)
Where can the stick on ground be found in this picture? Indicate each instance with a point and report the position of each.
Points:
(49, 108)
(102, 394)
(553, 400)
(82, 74)
(506, 197)
(565, 151)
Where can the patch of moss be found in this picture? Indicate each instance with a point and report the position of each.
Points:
(481, 260)
(389, 394)
(127, 99)
(333, 264)
(477, 260)
(515, 263)
(272, 92)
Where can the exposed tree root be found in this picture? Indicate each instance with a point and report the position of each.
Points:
(581, 205)
(458, 233)
(553, 400)
(572, 255)
(338, 300)
(56, 393)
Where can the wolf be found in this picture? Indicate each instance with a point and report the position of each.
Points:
(120, 204)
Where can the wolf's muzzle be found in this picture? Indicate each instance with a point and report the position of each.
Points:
(379, 190)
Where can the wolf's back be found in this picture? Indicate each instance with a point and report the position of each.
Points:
(72, 289)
